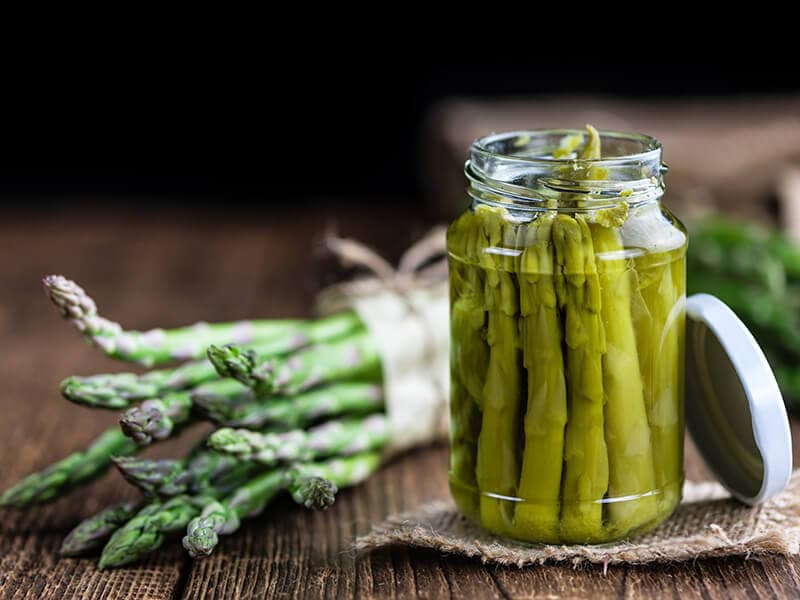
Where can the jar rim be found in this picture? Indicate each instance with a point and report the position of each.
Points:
(651, 147)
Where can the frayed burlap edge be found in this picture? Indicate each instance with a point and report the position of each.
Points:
(706, 524)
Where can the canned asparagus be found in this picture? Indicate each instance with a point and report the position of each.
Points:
(567, 283)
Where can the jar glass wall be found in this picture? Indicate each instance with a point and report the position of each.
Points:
(567, 289)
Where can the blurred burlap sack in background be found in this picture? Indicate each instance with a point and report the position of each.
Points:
(738, 156)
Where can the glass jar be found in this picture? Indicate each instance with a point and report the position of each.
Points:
(567, 295)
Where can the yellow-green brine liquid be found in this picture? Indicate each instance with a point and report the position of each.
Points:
(567, 328)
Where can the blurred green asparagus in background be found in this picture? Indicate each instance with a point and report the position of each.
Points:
(755, 271)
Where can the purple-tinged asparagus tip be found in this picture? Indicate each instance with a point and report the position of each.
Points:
(69, 297)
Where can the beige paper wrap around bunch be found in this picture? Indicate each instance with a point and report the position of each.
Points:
(406, 312)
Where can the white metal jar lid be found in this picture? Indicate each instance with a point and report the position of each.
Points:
(734, 408)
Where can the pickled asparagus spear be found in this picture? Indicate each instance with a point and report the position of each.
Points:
(546, 413)
(469, 357)
(659, 320)
(469, 352)
(585, 454)
(497, 470)
(630, 452)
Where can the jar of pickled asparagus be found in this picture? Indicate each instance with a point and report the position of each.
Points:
(567, 296)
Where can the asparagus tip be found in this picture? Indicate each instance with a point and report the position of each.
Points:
(69, 297)
(146, 423)
(200, 539)
(226, 440)
(316, 493)
(233, 361)
(83, 390)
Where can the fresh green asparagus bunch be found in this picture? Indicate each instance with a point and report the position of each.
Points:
(566, 358)
(314, 393)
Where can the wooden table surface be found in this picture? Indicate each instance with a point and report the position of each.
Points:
(158, 269)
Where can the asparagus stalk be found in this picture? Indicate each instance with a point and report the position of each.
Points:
(122, 390)
(223, 518)
(546, 414)
(497, 469)
(148, 529)
(659, 322)
(155, 478)
(227, 402)
(156, 419)
(157, 345)
(70, 472)
(627, 433)
(92, 533)
(354, 358)
(469, 358)
(334, 438)
(313, 485)
(630, 456)
(585, 477)
(169, 477)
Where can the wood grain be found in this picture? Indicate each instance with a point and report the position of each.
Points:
(159, 269)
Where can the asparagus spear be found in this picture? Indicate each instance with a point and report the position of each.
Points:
(93, 532)
(469, 352)
(169, 477)
(355, 357)
(469, 357)
(659, 322)
(162, 477)
(70, 472)
(497, 470)
(121, 390)
(157, 345)
(156, 419)
(585, 454)
(333, 438)
(313, 485)
(148, 529)
(546, 414)
(630, 456)
(223, 518)
(228, 402)
(627, 432)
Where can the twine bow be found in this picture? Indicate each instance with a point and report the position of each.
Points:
(424, 264)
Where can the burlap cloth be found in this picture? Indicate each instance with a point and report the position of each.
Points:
(708, 523)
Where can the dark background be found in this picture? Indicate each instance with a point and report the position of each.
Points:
(321, 131)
